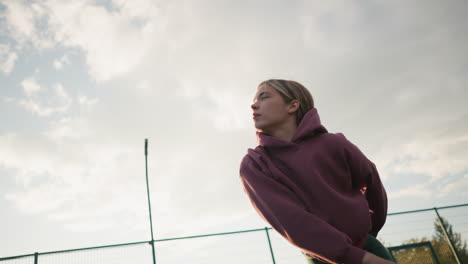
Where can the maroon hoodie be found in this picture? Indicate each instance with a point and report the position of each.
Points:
(318, 191)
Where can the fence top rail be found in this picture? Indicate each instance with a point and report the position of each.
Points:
(134, 243)
(428, 209)
(425, 243)
(197, 236)
(17, 257)
(75, 249)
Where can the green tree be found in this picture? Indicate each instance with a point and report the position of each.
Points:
(439, 244)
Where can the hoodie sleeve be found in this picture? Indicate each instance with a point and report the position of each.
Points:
(281, 208)
(364, 174)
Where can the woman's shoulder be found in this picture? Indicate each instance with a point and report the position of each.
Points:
(332, 138)
(331, 142)
(257, 157)
(253, 155)
(251, 163)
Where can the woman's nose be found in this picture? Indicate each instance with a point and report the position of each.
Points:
(253, 106)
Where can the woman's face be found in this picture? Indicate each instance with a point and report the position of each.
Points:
(270, 112)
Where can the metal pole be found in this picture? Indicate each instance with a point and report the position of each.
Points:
(434, 255)
(269, 243)
(36, 256)
(149, 201)
(454, 251)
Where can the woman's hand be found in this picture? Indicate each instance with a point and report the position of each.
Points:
(370, 258)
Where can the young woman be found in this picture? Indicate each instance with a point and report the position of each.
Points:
(315, 188)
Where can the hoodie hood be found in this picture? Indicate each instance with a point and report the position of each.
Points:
(309, 126)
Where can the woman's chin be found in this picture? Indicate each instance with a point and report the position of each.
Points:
(258, 126)
(261, 129)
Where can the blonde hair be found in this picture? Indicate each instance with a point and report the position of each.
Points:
(292, 90)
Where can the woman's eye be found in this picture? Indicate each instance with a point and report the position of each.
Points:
(263, 97)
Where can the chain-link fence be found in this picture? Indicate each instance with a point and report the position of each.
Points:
(415, 253)
(436, 235)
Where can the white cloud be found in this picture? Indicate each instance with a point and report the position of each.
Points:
(30, 86)
(139, 9)
(61, 62)
(23, 21)
(94, 174)
(434, 155)
(60, 91)
(113, 41)
(120, 44)
(226, 107)
(37, 108)
(416, 191)
(454, 186)
(69, 129)
(42, 198)
(8, 99)
(28, 156)
(7, 59)
(77, 187)
(327, 25)
(430, 191)
(41, 101)
(20, 18)
(84, 100)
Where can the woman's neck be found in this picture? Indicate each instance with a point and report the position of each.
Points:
(285, 133)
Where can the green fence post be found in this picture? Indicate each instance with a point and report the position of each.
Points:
(36, 256)
(269, 244)
(434, 255)
(149, 201)
(454, 251)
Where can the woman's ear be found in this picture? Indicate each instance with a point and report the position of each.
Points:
(293, 106)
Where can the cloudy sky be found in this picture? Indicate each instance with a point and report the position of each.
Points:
(84, 82)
